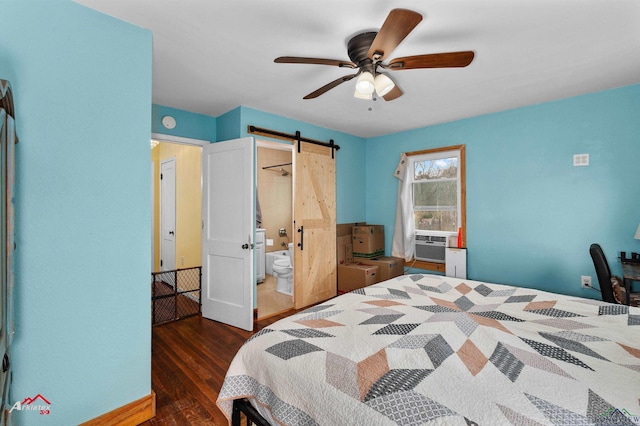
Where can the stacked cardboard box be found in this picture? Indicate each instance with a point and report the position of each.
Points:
(388, 267)
(344, 245)
(368, 240)
(356, 275)
(360, 255)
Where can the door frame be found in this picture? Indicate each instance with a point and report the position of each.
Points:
(178, 139)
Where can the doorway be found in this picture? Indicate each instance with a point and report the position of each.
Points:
(177, 201)
(275, 197)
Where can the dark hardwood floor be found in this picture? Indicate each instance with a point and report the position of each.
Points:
(189, 359)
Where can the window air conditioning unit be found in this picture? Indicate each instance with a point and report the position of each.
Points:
(430, 248)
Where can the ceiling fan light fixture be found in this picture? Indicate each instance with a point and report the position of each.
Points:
(383, 84)
(365, 83)
(368, 52)
(366, 96)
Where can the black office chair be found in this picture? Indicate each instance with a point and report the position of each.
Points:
(603, 272)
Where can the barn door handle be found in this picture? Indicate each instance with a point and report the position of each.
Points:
(301, 243)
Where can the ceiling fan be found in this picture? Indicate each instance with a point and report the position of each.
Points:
(367, 52)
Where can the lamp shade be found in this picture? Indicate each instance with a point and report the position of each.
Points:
(637, 236)
(383, 84)
(364, 84)
(366, 96)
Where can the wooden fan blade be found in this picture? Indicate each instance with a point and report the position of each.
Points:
(393, 94)
(396, 27)
(329, 86)
(435, 60)
(317, 61)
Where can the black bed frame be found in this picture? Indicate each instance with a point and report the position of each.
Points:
(243, 406)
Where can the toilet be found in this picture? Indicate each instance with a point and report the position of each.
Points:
(283, 271)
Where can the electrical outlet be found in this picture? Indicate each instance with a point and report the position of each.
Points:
(585, 280)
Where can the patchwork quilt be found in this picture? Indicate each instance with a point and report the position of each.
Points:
(426, 349)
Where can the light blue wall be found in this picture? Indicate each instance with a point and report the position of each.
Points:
(228, 125)
(531, 215)
(82, 88)
(188, 124)
(350, 165)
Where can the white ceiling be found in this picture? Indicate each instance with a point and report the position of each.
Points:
(212, 56)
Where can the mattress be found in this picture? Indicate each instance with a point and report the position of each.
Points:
(426, 349)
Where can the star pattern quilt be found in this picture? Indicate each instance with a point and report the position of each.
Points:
(427, 349)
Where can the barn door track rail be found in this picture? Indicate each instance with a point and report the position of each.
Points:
(293, 138)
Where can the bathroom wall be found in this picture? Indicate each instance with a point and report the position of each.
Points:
(274, 193)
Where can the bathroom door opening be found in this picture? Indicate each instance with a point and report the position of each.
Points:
(275, 196)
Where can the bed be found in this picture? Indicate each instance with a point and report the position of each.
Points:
(428, 349)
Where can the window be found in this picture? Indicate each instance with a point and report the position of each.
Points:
(438, 190)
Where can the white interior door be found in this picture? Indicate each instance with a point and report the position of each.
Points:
(228, 216)
(168, 214)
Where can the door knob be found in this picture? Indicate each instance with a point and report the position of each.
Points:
(248, 244)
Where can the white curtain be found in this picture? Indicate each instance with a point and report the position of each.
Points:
(405, 226)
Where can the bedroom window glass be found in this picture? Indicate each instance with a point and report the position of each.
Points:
(438, 188)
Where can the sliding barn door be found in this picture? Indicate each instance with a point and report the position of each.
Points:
(315, 223)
